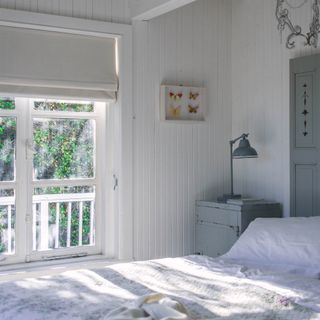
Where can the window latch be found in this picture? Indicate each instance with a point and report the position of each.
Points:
(115, 182)
(29, 150)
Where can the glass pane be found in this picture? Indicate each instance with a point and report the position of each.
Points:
(71, 106)
(7, 221)
(7, 148)
(63, 148)
(7, 103)
(63, 217)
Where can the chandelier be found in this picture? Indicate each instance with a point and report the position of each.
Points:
(282, 15)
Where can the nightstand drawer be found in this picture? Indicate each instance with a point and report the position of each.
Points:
(218, 225)
(217, 216)
(214, 240)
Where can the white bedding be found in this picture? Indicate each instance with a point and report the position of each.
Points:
(208, 288)
(290, 243)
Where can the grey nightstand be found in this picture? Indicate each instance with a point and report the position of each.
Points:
(219, 225)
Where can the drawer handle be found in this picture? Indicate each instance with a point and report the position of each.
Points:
(218, 224)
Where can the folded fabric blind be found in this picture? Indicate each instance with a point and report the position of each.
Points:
(55, 64)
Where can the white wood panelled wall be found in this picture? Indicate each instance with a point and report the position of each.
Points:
(174, 164)
(104, 10)
(260, 95)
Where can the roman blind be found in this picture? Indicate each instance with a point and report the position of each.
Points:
(54, 64)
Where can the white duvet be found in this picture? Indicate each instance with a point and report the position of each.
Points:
(208, 288)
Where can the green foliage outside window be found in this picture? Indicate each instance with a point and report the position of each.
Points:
(7, 147)
(7, 104)
(63, 106)
(63, 148)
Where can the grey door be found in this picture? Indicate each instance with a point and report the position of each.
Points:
(304, 136)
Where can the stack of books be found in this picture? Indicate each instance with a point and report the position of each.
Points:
(242, 201)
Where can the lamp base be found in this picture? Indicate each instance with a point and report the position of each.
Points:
(226, 197)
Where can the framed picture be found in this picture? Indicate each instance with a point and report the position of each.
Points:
(180, 103)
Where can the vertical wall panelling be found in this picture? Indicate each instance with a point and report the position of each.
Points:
(105, 10)
(79, 8)
(46, 7)
(260, 96)
(65, 7)
(175, 164)
(99, 10)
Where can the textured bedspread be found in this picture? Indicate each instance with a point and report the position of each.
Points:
(208, 288)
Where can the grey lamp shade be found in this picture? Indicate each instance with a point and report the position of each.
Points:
(244, 150)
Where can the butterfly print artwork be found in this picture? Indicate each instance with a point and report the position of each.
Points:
(193, 96)
(193, 109)
(175, 111)
(175, 96)
(180, 103)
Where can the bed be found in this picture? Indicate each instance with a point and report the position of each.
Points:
(243, 284)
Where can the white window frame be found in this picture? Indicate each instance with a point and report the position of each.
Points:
(117, 220)
(25, 183)
(100, 153)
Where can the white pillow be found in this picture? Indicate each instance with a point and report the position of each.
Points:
(291, 242)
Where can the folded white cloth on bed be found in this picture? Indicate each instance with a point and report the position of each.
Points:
(150, 307)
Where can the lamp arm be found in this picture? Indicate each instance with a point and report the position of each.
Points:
(244, 135)
(231, 167)
(232, 142)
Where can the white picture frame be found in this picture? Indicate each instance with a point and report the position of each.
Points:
(182, 104)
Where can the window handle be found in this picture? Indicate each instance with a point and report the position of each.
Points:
(29, 149)
(115, 182)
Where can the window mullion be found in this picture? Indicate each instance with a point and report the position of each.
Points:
(64, 183)
(8, 185)
(23, 195)
(64, 115)
(101, 164)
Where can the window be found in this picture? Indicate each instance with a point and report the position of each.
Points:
(50, 178)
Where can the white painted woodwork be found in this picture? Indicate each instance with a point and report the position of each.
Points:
(57, 230)
(9, 229)
(174, 164)
(69, 225)
(144, 10)
(260, 96)
(81, 223)
(44, 225)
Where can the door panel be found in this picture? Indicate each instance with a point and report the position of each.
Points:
(306, 187)
(304, 136)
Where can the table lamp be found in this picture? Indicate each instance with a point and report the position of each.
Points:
(243, 151)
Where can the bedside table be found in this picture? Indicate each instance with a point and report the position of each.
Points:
(219, 225)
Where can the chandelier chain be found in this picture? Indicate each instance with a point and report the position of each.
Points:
(297, 6)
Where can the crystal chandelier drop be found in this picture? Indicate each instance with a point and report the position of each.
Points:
(282, 15)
